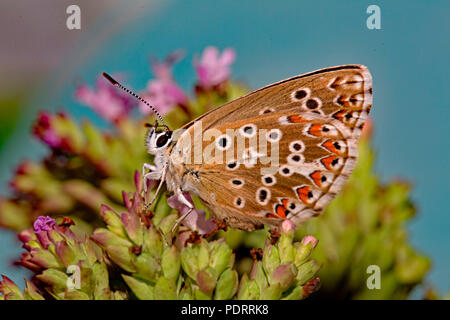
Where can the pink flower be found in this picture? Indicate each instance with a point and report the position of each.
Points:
(310, 239)
(196, 220)
(44, 130)
(287, 226)
(44, 224)
(213, 68)
(162, 92)
(108, 101)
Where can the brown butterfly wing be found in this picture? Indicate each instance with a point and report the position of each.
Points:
(318, 118)
(344, 92)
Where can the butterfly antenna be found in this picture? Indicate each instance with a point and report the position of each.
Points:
(117, 84)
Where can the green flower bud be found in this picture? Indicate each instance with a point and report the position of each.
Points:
(101, 281)
(105, 238)
(122, 257)
(167, 223)
(283, 276)
(31, 292)
(112, 220)
(170, 263)
(165, 289)
(271, 258)
(57, 279)
(248, 289)
(296, 294)
(142, 290)
(306, 271)
(153, 242)
(226, 285)
(189, 262)
(206, 280)
(76, 295)
(273, 292)
(221, 256)
(45, 259)
(10, 290)
(202, 252)
(148, 266)
(258, 274)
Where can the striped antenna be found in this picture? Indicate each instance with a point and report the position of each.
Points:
(117, 84)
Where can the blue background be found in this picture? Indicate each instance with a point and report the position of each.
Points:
(408, 59)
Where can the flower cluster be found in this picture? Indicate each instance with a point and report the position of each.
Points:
(153, 262)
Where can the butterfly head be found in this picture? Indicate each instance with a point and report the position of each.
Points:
(157, 139)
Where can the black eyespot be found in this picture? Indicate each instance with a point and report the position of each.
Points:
(337, 145)
(325, 129)
(323, 179)
(292, 206)
(300, 94)
(232, 165)
(248, 130)
(268, 179)
(297, 146)
(296, 158)
(348, 116)
(285, 170)
(162, 140)
(273, 135)
(237, 182)
(223, 142)
(334, 162)
(262, 195)
(238, 201)
(310, 195)
(312, 104)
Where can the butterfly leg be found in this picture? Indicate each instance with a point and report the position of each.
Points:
(183, 199)
(146, 175)
(156, 175)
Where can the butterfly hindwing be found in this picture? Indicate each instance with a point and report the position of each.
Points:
(315, 120)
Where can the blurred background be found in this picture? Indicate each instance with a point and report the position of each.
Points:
(41, 63)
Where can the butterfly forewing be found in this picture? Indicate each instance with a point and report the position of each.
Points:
(315, 121)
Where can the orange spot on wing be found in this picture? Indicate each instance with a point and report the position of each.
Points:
(296, 119)
(329, 145)
(327, 162)
(315, 129)
(285, 202)
(339, 115)
(303, 193)
(316, 176)
(280, 211)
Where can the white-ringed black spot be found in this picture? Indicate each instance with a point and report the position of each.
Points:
(300, 94)
(274, 135)
(239, 202)
(268, 180)
(296, 146)
(312, 104)
(248, 130)
(285, 171)
(223, 142)
(237, 183)
(232, 165)
(263, 195)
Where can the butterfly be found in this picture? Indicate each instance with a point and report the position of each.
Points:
(314, 120)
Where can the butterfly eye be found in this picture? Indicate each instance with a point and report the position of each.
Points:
(162, 139)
